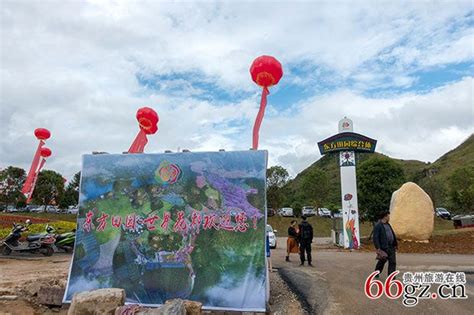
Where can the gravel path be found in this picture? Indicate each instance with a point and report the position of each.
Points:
(282, 300)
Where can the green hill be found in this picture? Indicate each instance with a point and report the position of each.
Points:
(416, 171)
(442, 168)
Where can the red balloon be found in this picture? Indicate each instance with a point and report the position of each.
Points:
(152, 130)
(266, 71)
(45, 152)
(147, 118)
(42, 133)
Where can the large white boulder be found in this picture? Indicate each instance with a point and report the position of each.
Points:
(412, 213)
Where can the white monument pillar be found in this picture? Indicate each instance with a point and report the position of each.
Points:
(350, 209)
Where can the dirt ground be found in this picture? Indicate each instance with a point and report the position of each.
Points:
(460, 242)
(23, 276)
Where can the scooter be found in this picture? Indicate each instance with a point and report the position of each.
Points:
(34, 243)
(64, 241)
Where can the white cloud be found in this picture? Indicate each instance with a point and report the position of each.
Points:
(407, 126)
(72, 67)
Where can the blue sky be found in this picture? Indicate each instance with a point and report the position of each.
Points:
(401, 70)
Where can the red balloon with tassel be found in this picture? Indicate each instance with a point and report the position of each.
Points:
(42, 135)
(44, 153)
(266, 71)
(148, 122)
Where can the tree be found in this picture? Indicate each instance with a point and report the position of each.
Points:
(435, 188)
(461, 192)
(49, 188)
(377, 179)
(277, 177)
(71, 195)
(11, 182)
(315, 187)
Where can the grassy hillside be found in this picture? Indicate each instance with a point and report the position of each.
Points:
(415, 171)
(442, 168)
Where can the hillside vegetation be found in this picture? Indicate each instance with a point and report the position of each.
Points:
(433, 177)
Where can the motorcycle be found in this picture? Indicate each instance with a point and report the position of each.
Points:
(64, 241)
(34, 243)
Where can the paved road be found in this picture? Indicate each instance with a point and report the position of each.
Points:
(335, 284)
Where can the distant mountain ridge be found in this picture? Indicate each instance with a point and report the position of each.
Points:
(415, 171)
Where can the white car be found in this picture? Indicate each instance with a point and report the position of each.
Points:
(38, 209)
(11, 209)
(73, 210)
(271, 236)
(337, 214)
(324, 212)
(52, 209)
(286, 212)
(308, 211)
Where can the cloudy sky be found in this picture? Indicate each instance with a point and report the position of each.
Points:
(402, 71)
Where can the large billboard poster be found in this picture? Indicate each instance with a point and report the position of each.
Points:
(173, 225)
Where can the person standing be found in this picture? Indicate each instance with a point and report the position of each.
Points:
(385, 242)
(292, 242)
(305, 238)
(267, 249)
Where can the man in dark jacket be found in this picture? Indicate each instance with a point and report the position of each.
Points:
(305, 238)
(385, 242)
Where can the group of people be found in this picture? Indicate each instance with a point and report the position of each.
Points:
(300, 237)
(299, 240)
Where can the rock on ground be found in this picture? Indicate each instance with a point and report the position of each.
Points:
(192, 307)
(102, 301)
(171, 307)
(412, 213)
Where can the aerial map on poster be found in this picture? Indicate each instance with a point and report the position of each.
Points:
(173, 225)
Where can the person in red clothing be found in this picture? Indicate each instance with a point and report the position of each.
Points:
(292, 241)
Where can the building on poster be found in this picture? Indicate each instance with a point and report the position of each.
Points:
(163, 226)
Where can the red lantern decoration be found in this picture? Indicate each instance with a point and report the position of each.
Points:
(152, 130)
(148, 122)
(266, 71)
(42, 133)
(45, 152)
(147, 118)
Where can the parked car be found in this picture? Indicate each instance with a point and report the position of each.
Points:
(463, 221)
(271, 212)
(37, 209)
(443, 213)
(286, 212)
(324, 212)
(308, 211)
(11, 209)
(73, 210)
(337, 214)
(28, 208)
(52, 209)
(271, 236)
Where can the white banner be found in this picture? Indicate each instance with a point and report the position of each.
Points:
(350, 209)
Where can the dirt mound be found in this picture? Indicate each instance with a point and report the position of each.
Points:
(461, 242)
